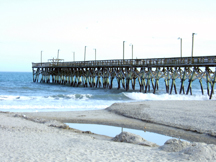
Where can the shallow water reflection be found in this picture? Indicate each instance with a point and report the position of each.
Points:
(112, 131)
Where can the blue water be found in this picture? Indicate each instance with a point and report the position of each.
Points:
(112, 131)
(19, 93)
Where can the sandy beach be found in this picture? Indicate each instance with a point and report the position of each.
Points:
(43, 136)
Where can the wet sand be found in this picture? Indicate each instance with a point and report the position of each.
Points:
(42, 136)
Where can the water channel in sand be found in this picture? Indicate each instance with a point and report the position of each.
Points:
(112, 131)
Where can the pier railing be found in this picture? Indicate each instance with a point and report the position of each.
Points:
(154, 62)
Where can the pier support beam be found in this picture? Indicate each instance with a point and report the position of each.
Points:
(167, 80)
(207, 79)
(157, 77)
(201, 86)
(212, 87)
(190, 83)
(174, 76)
(183, 78)
(147, 86)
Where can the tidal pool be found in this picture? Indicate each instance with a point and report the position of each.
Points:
(112, 131)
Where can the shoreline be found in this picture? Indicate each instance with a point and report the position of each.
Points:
(43, 135)
(144, 116)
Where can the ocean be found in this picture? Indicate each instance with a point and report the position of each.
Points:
(18, 93)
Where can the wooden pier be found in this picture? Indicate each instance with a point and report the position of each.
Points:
(146, 72)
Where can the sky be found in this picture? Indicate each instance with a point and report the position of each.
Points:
(31, 26)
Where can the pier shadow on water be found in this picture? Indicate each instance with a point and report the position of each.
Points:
(112, 131)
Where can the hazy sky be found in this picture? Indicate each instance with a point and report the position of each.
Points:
(29, 26)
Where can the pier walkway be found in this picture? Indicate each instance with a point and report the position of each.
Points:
(101, 73)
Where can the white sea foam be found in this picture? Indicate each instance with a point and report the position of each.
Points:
(9, 98)
(150, 96)
(53, 97)
(59, 107)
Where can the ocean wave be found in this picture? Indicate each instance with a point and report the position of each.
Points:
(53, 106)
(82, 97)
(10, 98)
(110, 96)
(70, 96)
(123, 96)
(52, 97)
(150, 96)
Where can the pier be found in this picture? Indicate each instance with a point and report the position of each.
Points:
(147, 72)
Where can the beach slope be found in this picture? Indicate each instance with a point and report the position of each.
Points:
(43, 137)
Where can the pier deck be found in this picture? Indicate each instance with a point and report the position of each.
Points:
(147, 72)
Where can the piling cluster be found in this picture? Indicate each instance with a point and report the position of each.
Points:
(147, 72)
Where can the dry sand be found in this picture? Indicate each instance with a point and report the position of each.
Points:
(42, 136)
